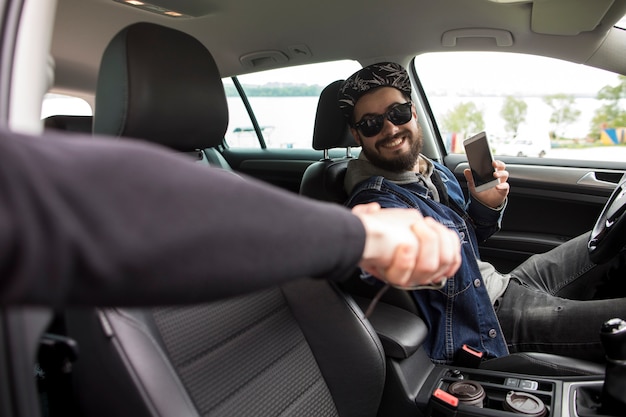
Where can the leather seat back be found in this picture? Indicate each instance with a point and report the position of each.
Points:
(163, 86)
(323, 180)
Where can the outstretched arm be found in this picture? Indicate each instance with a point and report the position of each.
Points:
(87, 221)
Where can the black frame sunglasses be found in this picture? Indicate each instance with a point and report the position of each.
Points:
(398, 115)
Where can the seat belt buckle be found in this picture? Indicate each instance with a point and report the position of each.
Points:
(442, 404)
(468, 357)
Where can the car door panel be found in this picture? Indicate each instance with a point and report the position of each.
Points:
(547, 205)
(280, 167)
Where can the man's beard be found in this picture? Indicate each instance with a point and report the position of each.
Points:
(403, 162)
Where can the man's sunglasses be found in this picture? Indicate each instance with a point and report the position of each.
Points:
(398, 115)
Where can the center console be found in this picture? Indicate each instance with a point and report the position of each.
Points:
(417, 387)
(414, 387)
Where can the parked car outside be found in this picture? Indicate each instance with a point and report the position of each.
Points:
(535, 144)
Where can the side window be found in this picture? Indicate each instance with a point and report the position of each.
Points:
(61, 104)
(529, 106)
(283, 102)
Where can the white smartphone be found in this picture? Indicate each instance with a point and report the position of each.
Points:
(480, 161)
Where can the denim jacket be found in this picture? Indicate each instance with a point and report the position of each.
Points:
(461, 312)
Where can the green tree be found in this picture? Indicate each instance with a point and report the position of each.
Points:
(563, 112)
(610, 113)
(514, 114)
(463, 118)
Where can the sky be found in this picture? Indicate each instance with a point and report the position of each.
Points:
(440, 71)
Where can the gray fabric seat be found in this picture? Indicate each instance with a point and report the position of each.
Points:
(274, 352)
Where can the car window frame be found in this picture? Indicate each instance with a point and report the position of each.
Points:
(250, 111)
(310, 77)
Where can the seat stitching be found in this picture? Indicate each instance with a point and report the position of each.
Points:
(252, 377)
(307, 390)
(232, 337)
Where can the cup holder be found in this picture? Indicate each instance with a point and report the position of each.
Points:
(508, 396)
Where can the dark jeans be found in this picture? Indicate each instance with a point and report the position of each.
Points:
(556, 302)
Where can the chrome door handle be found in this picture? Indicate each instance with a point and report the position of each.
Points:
(590, 179)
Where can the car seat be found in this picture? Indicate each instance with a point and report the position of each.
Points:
(301, 349)
(163, 86)
(323, 180)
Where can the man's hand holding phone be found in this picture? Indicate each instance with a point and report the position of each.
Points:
(486, 178)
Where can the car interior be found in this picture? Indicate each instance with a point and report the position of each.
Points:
(308, 348)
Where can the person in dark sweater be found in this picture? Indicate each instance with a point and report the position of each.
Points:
(101, 222)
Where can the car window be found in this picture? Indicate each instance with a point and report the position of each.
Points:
(283, 101)
(61, 104)
(529, 106)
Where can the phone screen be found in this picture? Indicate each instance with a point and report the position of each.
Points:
(480, 161)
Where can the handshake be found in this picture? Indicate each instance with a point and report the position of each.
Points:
(405, 249)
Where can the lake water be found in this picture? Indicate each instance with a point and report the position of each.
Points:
(288, 121)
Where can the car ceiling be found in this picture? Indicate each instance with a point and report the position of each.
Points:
(278, 33)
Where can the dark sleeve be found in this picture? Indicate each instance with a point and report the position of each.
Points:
(484, 220)
(88, 221)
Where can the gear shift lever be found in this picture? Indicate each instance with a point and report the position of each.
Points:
(613, 338)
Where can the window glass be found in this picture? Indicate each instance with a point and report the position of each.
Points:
(529, 106)
(284, 102)
(54, 104)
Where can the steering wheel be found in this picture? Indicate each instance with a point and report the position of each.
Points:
(608, 236)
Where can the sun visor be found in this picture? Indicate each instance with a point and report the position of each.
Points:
(568, 17)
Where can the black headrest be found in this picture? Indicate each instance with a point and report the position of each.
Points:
(331, 129)
(69, 123)
(161, 85)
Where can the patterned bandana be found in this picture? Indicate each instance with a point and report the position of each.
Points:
(383, 74)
